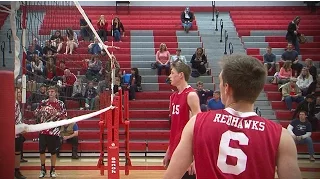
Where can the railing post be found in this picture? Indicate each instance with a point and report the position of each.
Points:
(213, 6)
(217, 16)
(225, 41)
(2, 47)
(221, 24)
(9, 35)
(231, 48)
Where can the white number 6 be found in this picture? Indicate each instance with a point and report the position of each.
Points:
(225, 149)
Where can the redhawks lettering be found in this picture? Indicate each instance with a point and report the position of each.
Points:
(239, 123)
(113, 165)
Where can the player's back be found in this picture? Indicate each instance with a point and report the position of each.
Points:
(231, 144)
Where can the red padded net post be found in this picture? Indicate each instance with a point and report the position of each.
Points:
(7, 135)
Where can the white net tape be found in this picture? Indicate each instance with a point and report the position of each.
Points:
(43, 126)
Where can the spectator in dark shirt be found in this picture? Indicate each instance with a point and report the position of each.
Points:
(307, 105)
(116, 28)
(186, 18)
(292, 33)
(134, 83)
(203, 94)
(314, 87)
(312, 68)
(215, 102)
(90, 95)
(49, 47)
(300, 130)
(269, 60)
(103, 28)
(199, 61)
(292, 55)
(37, 97)
(85, 30)
(57, 40)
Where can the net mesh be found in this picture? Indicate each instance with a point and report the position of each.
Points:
(42, 21)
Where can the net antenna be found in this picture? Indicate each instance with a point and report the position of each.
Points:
(105, 47)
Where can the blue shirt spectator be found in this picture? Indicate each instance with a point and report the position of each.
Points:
(215, 103)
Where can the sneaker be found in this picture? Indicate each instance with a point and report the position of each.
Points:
(312, 158)
(42, 174)
(23, 160)
(18, 175)
(53, 174)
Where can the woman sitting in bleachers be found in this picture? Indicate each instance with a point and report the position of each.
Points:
(117, 27)
(312, 69)
(94, 71)
(314, 87)
(103, 28)
(72, 41)
(50, 72)
(304, 81)
(163, 59)
(37, 69)
(56, 40)
(199, 61)
(284, 74)
(90, 95)
(134, 83)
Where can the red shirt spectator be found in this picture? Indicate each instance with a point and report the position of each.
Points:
(69, 78)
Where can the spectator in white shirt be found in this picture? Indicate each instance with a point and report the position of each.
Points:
(178, 56)
(304, 81)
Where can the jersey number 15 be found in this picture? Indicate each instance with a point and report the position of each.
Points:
(175, 109)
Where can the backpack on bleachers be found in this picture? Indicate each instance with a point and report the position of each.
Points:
(126, 79)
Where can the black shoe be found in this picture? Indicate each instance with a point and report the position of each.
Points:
(75, 157)
(18, 175)
(23, 160)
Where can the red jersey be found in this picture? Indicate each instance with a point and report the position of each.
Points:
(229, 145)
(180, 115)
(70, 80)
(48, 111)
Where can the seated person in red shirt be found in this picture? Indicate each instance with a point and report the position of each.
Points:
(68, 81)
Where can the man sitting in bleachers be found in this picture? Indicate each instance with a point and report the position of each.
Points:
(292, 55)
(300, 130)
(291, 93)
(178, 56)
(269, 60)
(69, 134)
(203, 95)
(215, 102)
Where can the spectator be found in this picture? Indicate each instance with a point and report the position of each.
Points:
(60, 69)
(50, 110)
(300, 130)
(72, 41)
(95, 69)
(309, 106)
(203, 94)
(37, 97)
(186, 18)
(49, 47)
(215, 102)
(312, 69)
(68, 81)
(163, 59)
(269, 60)
(37, 47)
(116, 28)
(199, 61)
(48, 56)
(90, 95)
(103, 28)
(18, 137)
(50, 72)
(291, 55)
(284, 75)
(69, 134)
(78, 93)
(85, 30)
(178, 56)
(37, 69)
(304, 81)
(292, 33)
(95, 47)
(56, 40)
(291, 93)
(314, 87)
(134, 83)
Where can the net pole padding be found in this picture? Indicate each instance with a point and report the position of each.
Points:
(126, 106)
(120, 94)
(113, 141)
(99, 39)
(127, 137)
(7, 132)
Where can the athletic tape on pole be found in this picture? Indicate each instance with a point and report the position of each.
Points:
(43, 126)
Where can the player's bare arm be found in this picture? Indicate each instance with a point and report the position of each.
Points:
(183, 155)
(194, 103)
(287, 163)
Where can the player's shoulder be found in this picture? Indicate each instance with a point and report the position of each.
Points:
(203, 116)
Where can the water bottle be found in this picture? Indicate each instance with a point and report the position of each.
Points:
(124, 72)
